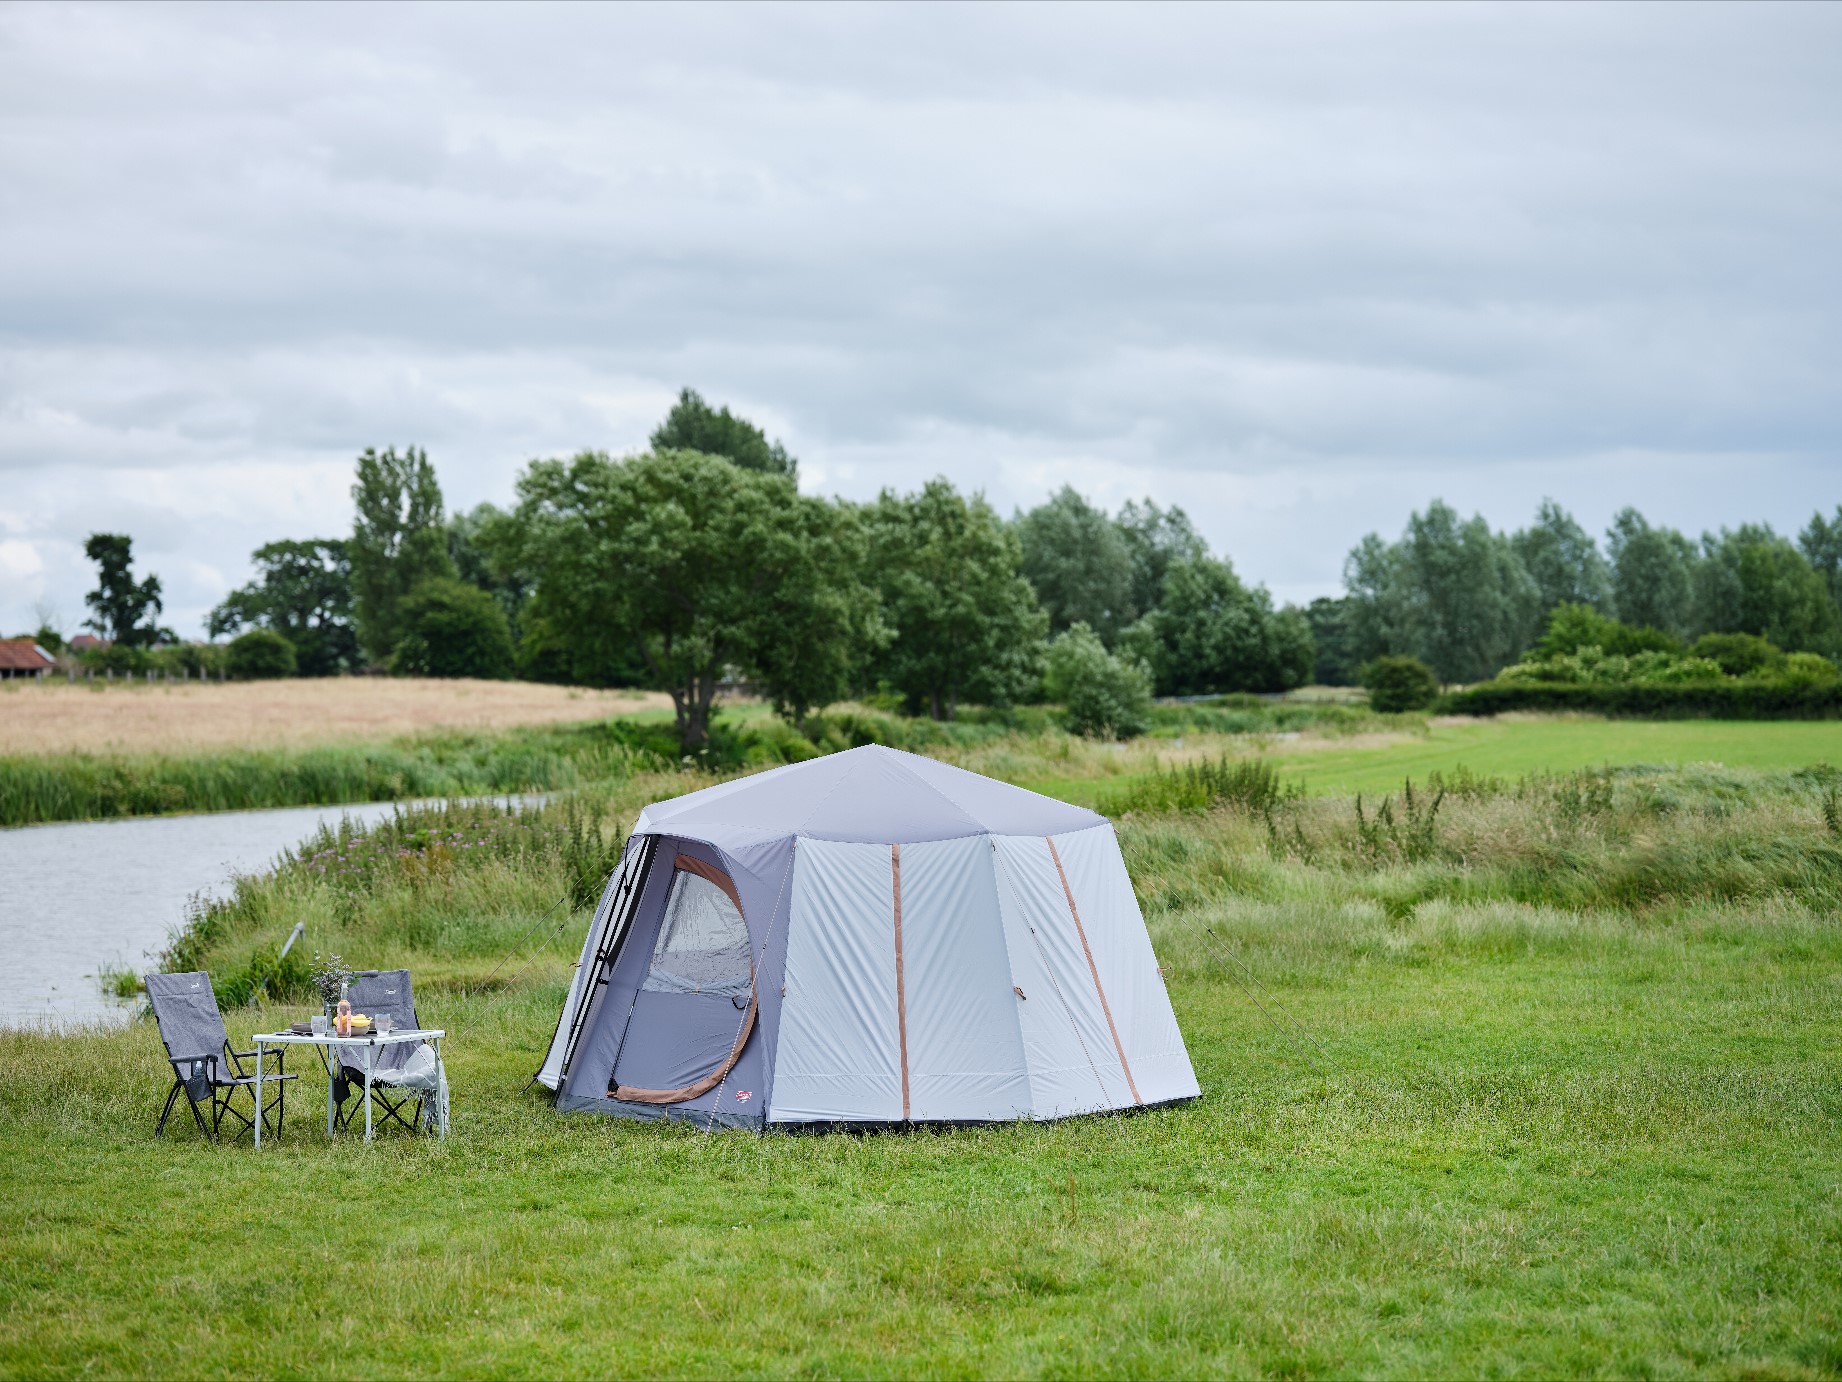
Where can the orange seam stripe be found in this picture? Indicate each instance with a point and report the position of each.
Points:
(901, 997)
(1093, 969)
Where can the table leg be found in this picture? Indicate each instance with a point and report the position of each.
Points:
(441, 1085)
(258, 1095)
(329, 1066)
(370, 1064)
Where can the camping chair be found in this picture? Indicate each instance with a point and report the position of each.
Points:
(405, 1074)
(205, 1069)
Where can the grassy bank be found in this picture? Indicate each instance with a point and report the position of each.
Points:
(1560, 1099)
(40, 788)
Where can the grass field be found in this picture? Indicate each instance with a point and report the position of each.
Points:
(1510, 747)
(1565, 1101)
(54, 717)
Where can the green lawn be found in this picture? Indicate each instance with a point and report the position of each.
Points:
(1511, 748)
(1576, 1110)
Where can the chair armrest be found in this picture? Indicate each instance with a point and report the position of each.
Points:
(278, 1054)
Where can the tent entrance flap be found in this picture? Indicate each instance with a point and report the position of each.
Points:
(696, 1006)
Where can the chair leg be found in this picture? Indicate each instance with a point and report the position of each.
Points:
(171, 1099)
(207, 1131)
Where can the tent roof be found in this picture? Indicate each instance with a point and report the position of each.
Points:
(870, 795)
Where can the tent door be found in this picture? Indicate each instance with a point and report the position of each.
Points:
(696, 1007)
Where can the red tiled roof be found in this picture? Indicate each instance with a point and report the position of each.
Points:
(22, 655)
(83, 642)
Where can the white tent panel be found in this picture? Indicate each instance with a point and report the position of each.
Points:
(1128, 967)
(839, 1057)
(965, 1051)
(1074, 1067)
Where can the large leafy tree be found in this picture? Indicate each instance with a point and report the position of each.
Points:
(1751, 580)
(123, 610)
(1213, 634)
(964, 623)
(1157, 540)
(693, 425)
(1563, 561)
(1080, 564)
(302, 591)
(694, 567)
(1652, 574)
(398, 542)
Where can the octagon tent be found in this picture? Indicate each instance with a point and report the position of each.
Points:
(870, 937)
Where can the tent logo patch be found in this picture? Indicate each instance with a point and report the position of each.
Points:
(744, 1095)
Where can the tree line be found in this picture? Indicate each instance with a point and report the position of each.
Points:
(699, 563)
(1468, 601)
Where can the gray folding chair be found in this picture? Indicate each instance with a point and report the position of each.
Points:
(405, 1073)
(205, 1069)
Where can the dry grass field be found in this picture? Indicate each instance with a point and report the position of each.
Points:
(166, 717)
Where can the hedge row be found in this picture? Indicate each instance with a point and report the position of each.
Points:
(1734, 700)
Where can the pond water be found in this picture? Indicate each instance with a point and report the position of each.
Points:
(80, 897)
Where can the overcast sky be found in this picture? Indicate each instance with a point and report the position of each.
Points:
(1297, 269)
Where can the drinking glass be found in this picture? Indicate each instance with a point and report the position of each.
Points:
(318, 1021)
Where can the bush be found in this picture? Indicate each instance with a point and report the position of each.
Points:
(1572, 627)
(1727, 699)
(1399, 683)
(1102, 695)
(260, 654)
(1250, 785)
(1739, 654)
(452, 629)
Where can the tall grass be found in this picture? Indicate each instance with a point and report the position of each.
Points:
(64, 787)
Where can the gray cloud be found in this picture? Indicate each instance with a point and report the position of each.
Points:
(1297, 268)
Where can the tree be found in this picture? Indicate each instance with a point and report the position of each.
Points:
(1750, 580)
(697, 566)
(123, 610)
(452, 629)
(475, 554)
(1450, 592)
(260, 654)
(1821, 543)
(397, 543)
(963, 623)
(693, 425)
(1334, 639)
(1652, 585)
(1079, 563)
(1157, 539)
(1395, 684)
(303, 591)
(1563, 561)
(1104, 696)
(1212, 634)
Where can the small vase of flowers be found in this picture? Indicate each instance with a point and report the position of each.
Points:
(330, 977)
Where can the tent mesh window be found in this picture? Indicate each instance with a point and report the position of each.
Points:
(703, 945)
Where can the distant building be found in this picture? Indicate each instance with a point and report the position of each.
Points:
(87, 642)
(22, 657)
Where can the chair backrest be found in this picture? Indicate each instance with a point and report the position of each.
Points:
(384, 993)
(186, 1009)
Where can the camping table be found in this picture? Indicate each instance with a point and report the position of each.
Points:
(371, 1041)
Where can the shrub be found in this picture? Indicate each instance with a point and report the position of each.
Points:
(1807, 669)
(1399, 683)
(1102, 695)
(260, 654)
(1572, 627)
(1729, 698)
(1739, 654)
(452, 629)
